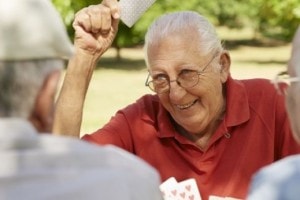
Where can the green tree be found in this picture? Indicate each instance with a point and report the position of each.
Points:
(275, 18)
(272, 18)
(68, 9)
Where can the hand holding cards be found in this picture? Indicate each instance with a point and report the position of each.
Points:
(132, 10)
(184, 190)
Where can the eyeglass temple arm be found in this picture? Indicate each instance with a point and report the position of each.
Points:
(146, 83)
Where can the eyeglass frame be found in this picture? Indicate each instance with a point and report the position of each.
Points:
(199, 72)
(279, 78)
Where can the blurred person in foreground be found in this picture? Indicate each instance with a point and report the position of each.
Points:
(281, 180)
(33, 47)
(200, 123)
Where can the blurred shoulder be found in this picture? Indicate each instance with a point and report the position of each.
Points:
(279, 180)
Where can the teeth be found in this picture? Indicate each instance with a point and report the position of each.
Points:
(185, 106)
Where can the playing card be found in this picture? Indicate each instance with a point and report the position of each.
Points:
(221, 198)
(132, 10)
(188, 190)
(169, 189)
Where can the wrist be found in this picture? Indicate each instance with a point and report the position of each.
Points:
(82, 63)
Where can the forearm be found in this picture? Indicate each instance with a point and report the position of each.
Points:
(92, 38)
(70, 102)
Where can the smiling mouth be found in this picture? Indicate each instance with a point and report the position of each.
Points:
(186, 106)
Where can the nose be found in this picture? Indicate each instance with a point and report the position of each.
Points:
(176, 91)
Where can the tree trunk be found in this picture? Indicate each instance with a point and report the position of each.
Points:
(118, 53)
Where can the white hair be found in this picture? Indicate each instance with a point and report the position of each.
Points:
(179, 23)
(20, 82)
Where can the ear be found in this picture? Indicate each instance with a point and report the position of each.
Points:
(42, 114)
(225, 63)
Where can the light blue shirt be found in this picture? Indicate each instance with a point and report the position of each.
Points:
(278, 181)
(47, 167)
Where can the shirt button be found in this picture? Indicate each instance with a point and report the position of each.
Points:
(227, 135)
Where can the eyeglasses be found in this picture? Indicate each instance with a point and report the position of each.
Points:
(282, 81)
(185, 79)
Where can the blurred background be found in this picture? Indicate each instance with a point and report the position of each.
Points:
(257, 34)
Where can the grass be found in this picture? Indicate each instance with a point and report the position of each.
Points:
(115, 85)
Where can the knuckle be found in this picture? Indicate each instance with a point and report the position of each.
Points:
(95, 9)
(105, 10)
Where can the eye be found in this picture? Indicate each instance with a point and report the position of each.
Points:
(158, 78)
(186, 74)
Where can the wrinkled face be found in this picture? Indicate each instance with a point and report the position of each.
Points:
(193, 108)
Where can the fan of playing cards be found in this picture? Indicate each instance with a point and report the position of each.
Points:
(184, 190)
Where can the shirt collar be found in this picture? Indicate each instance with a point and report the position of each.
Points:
(237, 105)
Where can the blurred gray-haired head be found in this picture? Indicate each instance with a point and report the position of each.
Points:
(32, 29)
(33, 44)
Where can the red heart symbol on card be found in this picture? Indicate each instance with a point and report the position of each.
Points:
(188, 187)
(191, 197)
(182, 194)
(174, 192)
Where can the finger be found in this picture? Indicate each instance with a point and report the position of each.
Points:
(95, 13)
(82, 19)
(79, 31)
(114, 7)
(106, 20)
(115, 25)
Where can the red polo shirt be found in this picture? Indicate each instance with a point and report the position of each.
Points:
(254, 132)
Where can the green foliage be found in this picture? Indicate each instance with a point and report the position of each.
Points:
(272, 18)
(68, 9)
(277, 18)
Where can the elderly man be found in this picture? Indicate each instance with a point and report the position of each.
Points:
(201, 123)
(281, 180)
(33, 46)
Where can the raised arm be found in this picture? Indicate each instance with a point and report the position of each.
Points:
(95, 29)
